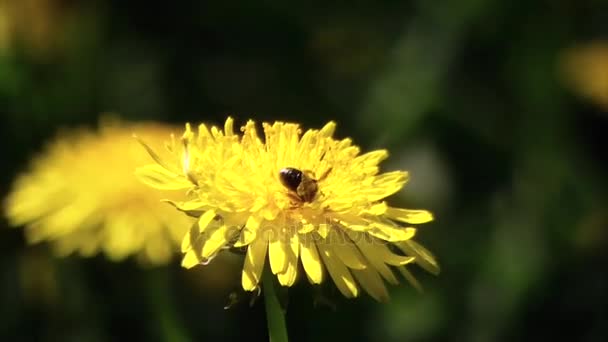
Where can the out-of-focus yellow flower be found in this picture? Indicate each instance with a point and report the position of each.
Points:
(81, 194)
(585, 69)
(37, 23)
(292, 197)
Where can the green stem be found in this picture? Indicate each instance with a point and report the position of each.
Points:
(159, 296)
(277, 330)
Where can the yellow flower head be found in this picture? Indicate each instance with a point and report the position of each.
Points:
(81, 194)
(294, 197)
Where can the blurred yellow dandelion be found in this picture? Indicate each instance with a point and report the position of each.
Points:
(585, 69)
(38, 24)
(292, 198)
(82, 196)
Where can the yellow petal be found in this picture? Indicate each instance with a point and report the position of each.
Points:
(388, 257)
(350, 256)
(310, 259)
(277, 252)
(249, 233)
(338, 272)
(152, 154)
(410, 278)
(158, 177)
(203, 132)
(385, 185)
(323, 229)
(305, 142)
(376, 209)
(215, 240)
(294, 244)
(375, 258)
(391, 232)
(288, 277)
(190, 238)
(216, 133)
(339, 204)
(245, 238)
(188, 134)
(409, 216)
(270, 213)
(253, 222)
(346, 251)
(254, 264)
(357, 227)
(191, 259)
(372, 283)
(371, 158)
(306, 228)
(205, 219)
(328, 130)
(229, 127)
(424, 258)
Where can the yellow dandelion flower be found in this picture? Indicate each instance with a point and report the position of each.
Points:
(292, 198)
(82, 196)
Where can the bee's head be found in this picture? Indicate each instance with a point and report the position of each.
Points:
(290, 178)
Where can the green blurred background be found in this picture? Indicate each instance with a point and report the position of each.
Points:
(468, 96)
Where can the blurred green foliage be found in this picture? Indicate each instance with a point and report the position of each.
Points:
(465, 94)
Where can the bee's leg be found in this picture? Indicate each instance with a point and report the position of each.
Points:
(295, 199)
(325, 174)
(235, 297)
(255, 295)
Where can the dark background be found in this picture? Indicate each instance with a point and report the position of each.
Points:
(469, 96)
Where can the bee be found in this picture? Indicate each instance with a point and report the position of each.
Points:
(302, 186)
